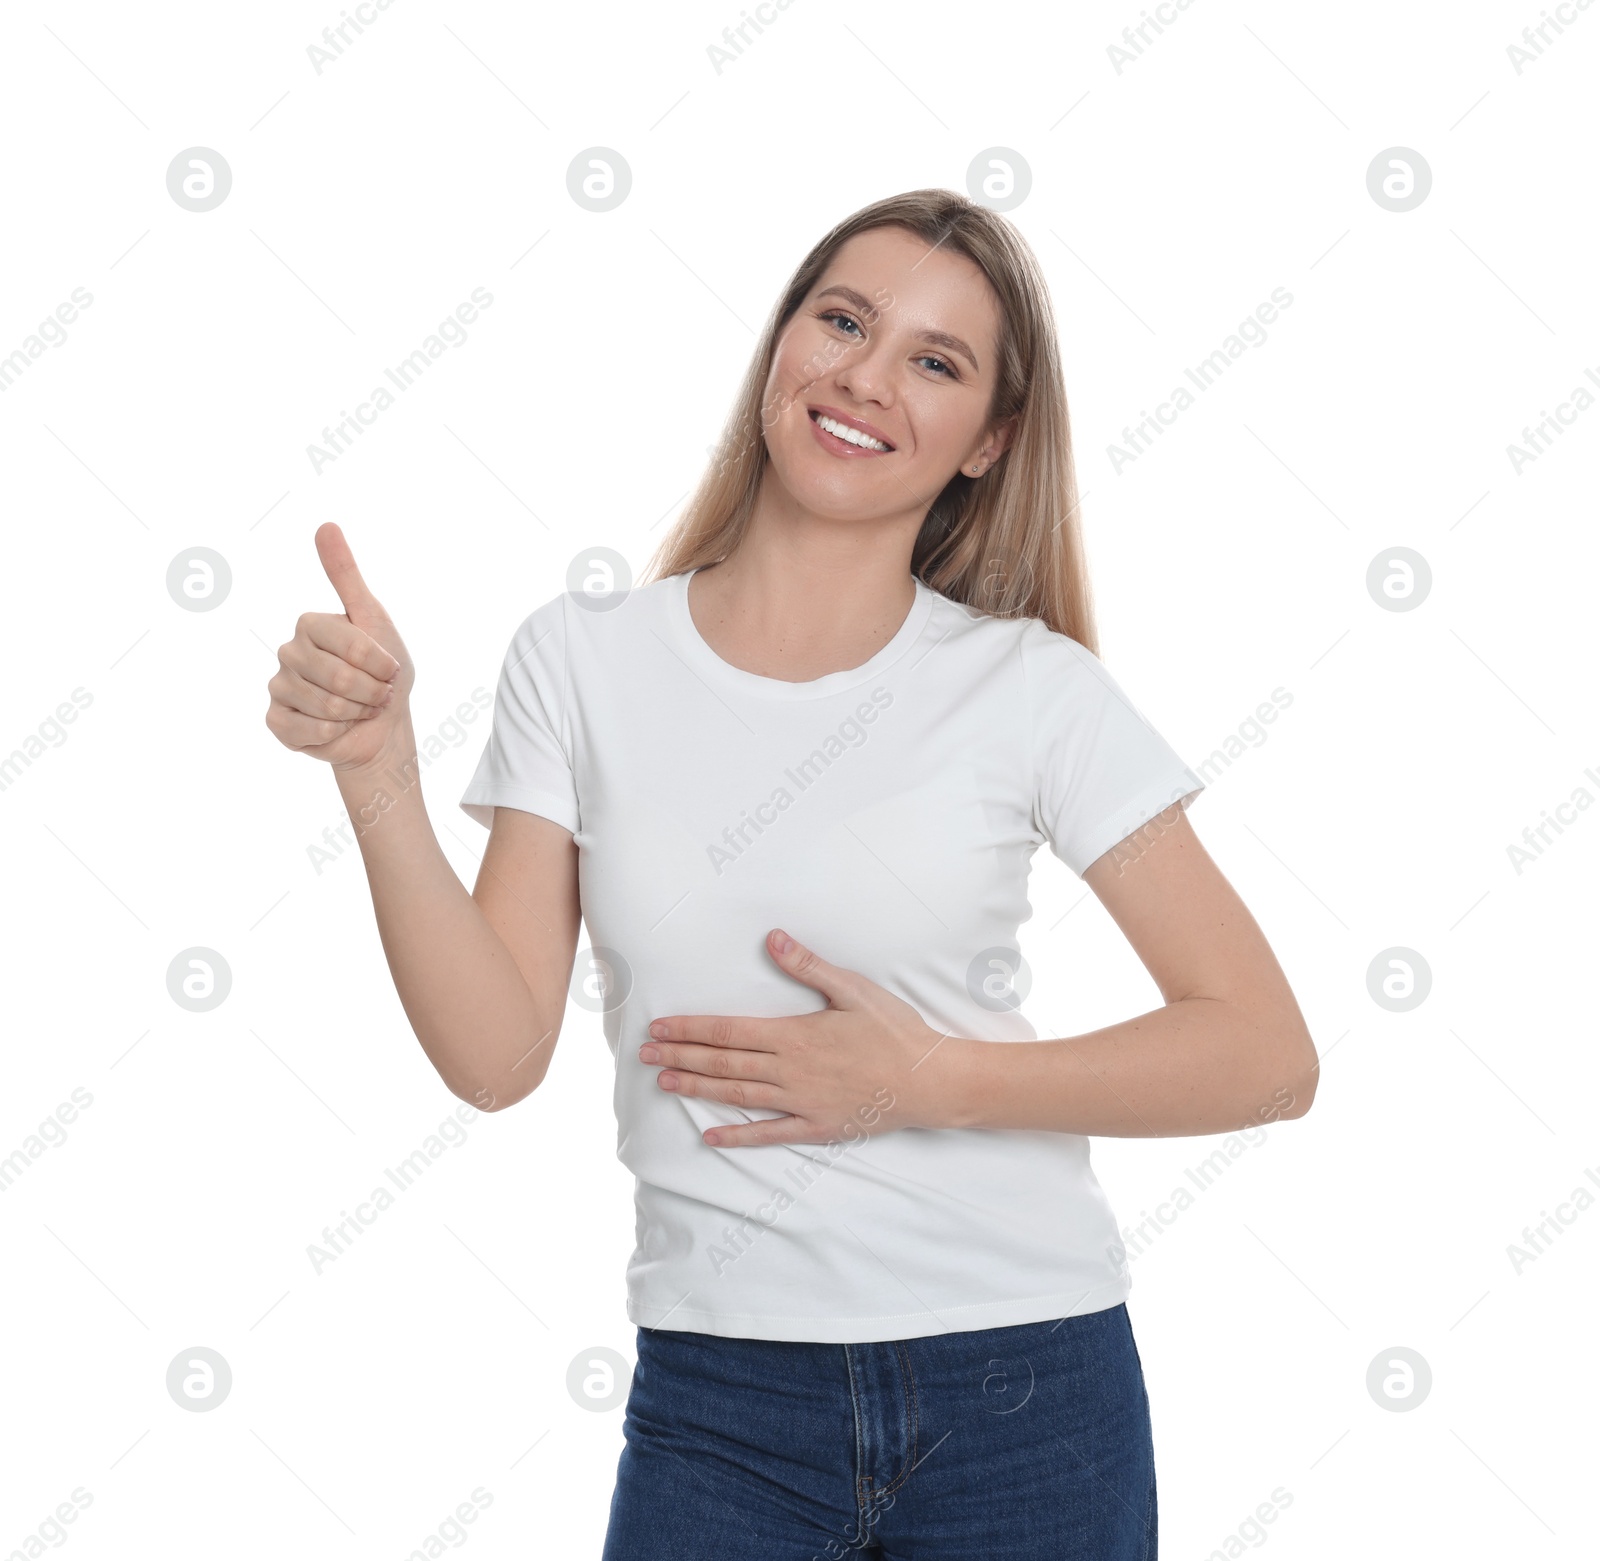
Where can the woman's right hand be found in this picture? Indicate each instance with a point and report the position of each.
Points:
(342, 691)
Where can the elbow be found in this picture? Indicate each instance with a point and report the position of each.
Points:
(481, 1097)
(513, 1082)
(1295, 1073)
(503, 1090)
(496, 1097)
(1277, 1064)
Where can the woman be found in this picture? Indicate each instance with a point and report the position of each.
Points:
(794, 783)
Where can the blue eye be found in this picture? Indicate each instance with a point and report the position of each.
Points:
(839, 318)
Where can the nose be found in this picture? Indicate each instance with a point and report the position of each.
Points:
(864, 373)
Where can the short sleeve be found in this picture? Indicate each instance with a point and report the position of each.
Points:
(527, 762)
(1100, 770)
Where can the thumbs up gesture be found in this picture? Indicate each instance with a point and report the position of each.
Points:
(343, 686)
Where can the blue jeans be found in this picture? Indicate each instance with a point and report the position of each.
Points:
(1001, 1444)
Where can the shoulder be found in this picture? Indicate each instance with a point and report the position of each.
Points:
(1056, 662)
(1037, 650)
(1068, 685)
(589, 626)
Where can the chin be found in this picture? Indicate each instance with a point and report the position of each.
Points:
(824, 487)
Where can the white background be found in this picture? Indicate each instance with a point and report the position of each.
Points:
(1167, 202)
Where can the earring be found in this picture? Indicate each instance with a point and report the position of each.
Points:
(974, 471)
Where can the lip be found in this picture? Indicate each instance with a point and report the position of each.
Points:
(860, 425)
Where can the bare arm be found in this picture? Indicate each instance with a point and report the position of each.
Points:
(527, 889)
(1229, 1049)
(482, 976)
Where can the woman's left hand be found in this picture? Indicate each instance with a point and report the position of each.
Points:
(845, 1070)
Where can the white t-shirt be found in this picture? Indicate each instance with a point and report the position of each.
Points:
(885, 816)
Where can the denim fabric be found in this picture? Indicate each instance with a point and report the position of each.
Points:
(1001, 1444)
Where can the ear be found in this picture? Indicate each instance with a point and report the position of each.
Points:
(997, 442)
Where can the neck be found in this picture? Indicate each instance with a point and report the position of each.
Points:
(806, 594)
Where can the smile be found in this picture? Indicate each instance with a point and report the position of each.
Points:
(846, 434)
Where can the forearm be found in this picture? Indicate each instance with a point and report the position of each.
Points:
(1197, 1065)
(462, 992)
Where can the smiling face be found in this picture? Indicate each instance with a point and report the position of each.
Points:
(882, 380)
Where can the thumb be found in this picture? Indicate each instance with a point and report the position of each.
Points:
(339, 563)
(841, 987)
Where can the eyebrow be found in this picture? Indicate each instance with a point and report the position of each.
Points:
(938, 338)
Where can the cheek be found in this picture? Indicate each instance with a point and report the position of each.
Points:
(783, 384)
(803, 357)
(942, 432)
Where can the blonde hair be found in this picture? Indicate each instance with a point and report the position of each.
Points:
(1007, 543)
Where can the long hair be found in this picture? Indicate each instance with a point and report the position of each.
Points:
(1007, 543)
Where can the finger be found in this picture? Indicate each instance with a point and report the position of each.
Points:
(328, 670)
(713, 1030)
(843, 988)
(714, 1062)
(339, 637)
(746, 1095)
(312, 699)
(298, 731)
(770, 1130)
(339, 563)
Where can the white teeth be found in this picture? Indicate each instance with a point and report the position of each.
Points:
(850, 435)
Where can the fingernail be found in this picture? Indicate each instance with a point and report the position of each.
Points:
(649, 1054)
(784, 942)
(659, 1030)
(669, 1081)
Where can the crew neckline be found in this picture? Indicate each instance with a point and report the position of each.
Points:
(710, 664)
